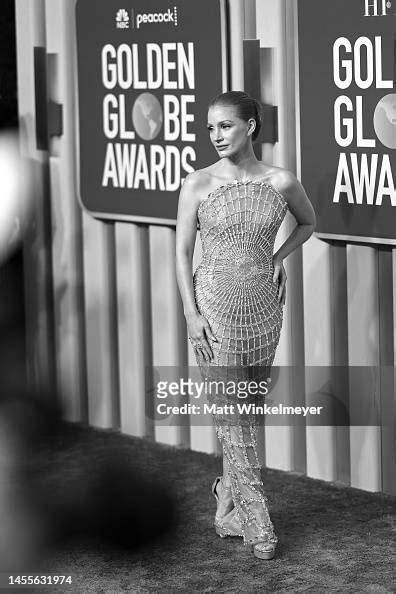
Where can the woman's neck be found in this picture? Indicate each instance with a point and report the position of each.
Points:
(241, 165)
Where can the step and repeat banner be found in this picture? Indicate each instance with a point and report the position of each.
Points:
(146, 72)
(346, 53)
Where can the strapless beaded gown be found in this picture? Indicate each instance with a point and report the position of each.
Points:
(234, 291)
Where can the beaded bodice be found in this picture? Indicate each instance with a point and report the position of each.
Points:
(233, 283)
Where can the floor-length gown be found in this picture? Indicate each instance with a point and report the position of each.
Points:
(234, 291)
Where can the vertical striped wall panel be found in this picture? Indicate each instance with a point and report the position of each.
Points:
(387, 372)
(339, 331)
(236, 30)
(100, 322)
(134, 329)
(318, 353)
(363, 338)
(169, 344)
(30, 33)
(295, 262)
(117, 317)
(66, 217)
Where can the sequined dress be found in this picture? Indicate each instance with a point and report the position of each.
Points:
(234, 291)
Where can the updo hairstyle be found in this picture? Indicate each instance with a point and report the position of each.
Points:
(246, 107)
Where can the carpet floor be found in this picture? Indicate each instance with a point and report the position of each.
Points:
(331, 538)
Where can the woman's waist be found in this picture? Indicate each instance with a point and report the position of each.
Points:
(236, 268)
(245, 294)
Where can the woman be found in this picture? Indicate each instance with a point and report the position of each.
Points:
(233, 303)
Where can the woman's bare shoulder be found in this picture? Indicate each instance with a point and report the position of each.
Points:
(280, 178)
(197, 183)
(277, 176)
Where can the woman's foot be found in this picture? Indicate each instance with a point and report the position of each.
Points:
(263, 550)
(228, 526)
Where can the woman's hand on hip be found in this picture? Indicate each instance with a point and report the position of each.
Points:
(199, 334)
(280, 278)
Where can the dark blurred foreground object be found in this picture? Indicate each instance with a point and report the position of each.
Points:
(51, 488)
(8, 78)
(12, 323)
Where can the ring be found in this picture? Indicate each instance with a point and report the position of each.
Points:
(195, 345)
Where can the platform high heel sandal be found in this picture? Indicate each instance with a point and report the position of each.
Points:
(263, 550)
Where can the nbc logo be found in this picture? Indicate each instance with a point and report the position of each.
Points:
(122, 19)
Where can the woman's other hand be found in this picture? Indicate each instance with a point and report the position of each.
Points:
(200, 333)
(280, 277)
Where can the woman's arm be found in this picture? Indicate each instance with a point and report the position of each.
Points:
(300, 206)
(186, 230)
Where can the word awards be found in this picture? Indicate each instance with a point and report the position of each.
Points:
(363, 176)
(148, 124)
